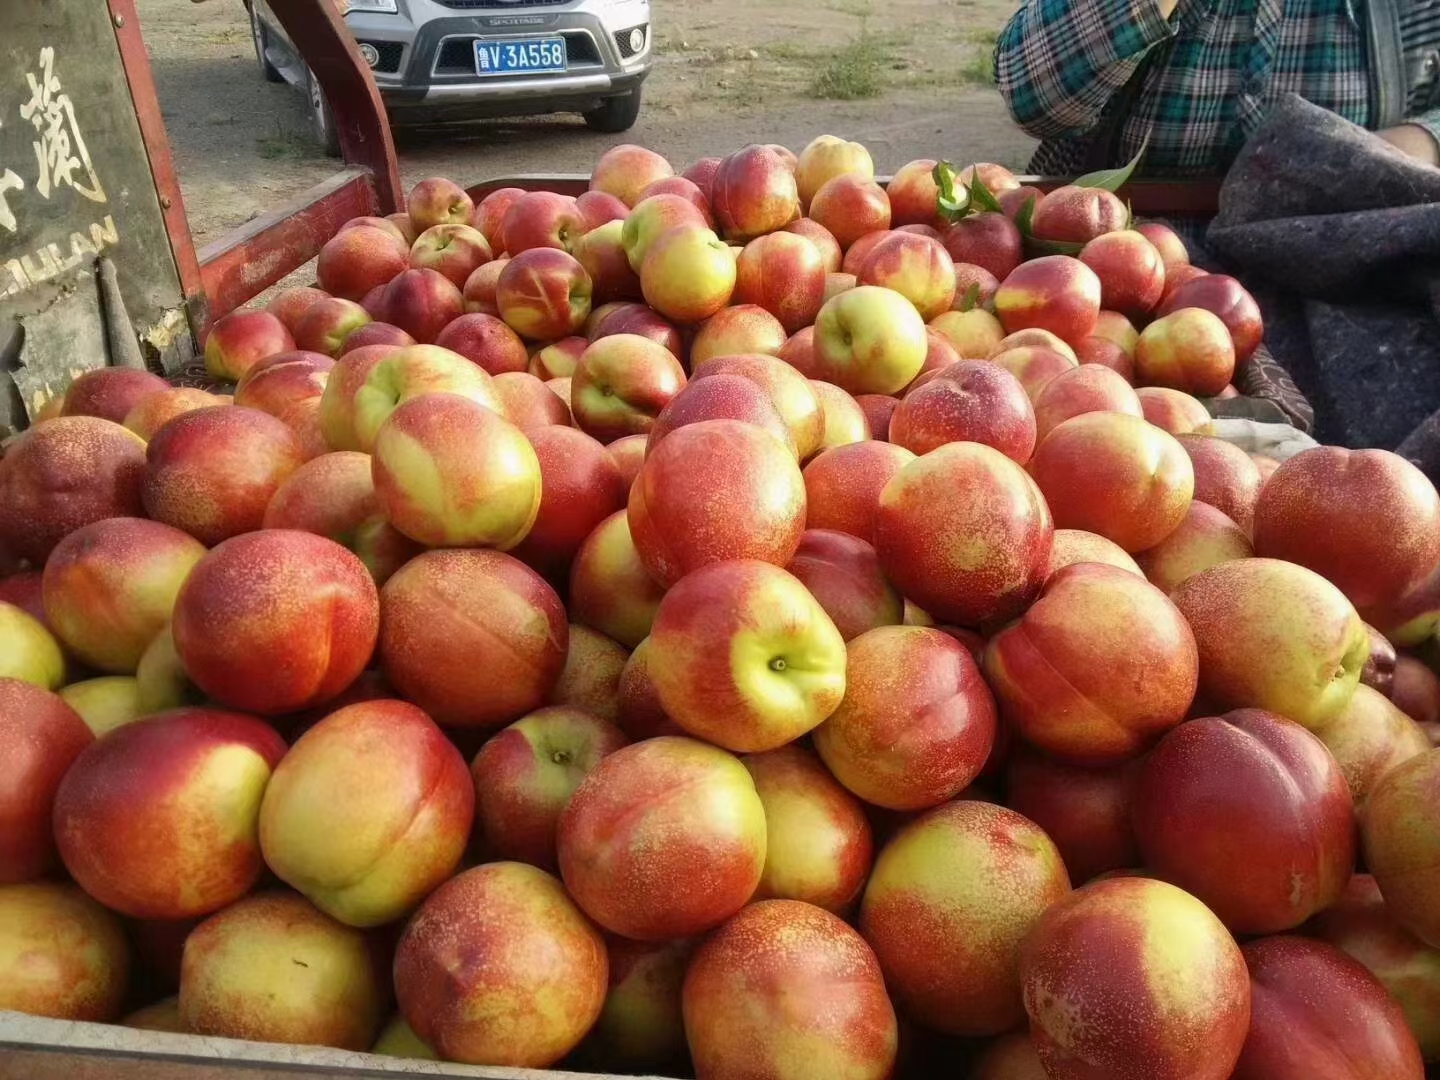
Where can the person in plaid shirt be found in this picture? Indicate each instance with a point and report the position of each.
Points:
(1094, 78)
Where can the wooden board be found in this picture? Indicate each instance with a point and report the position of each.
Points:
(75, 185)
(32, 1048)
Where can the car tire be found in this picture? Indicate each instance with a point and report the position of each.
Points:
(617, 114)
(261, 39)
(322, 120)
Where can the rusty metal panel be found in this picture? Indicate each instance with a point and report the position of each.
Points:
(75, 184)
(261, 252)
(32, 1048)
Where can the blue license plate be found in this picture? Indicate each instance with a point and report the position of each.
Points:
(532, 56)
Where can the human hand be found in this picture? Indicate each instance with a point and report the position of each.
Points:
(1413, 141)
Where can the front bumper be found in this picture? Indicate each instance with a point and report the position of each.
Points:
(425, 56)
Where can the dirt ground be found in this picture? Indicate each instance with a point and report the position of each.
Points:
(910, 78)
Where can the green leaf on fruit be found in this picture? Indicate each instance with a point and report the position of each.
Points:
(1025, 216)
(1113, 180)
(971, 297)
(1035, 247)
(951, 204)
(982, 196)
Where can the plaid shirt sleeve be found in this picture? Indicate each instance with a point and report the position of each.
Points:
(1058, 62)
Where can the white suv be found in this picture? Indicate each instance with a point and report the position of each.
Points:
(438, 61)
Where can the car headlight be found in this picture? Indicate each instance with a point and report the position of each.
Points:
(383, 7)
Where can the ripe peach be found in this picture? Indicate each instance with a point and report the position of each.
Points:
(1085, 811)
(845, 421)
(489, 215)
(1078, 546)
(988, 240)
(590, 680)
(916, 267)
(1131, 273)
(1085, 389)
(787, 990)
(953, 896)
(1007, 531)
(913, 193)
(1311, 509)
(368, 812)
(1134, 979)
(1078, 214)
(831, 257)
(1254, 779)
(1314, 1010)
(543, 219)
(436, 201)
(850, 205)
(525, 775)
(716, 490)
(843, 573)
(110, 588)
(276, 621)
(641, 1028)
(66, 473)
(753, 192)
(1225, 477)
(789, 392)
(621, 383)
(478, 293)
(1189, 349)
(1097, 669)
(110, 393)
(1227, 298)
(818, 847)
(1402, 844)
(1035, 366)
(451, 473)
(743, 329)
(327, 324)
(334, 496)
(1117, 475)
(916, 724)
(744, 657)
(663, 839)
(1360, 924)
(155, 410)
(1055, 293)
(40, 737)
(475, 638)
(1204, 538)
(721, 397)
(289, 305)
(212, 472)
(624, 171)
(1172, 410)
(1370, 737)
(826, 157)
(240, 338)
(610, 588)
(158, 819)
(843, 485)
(970, 401)
(64, 955)
(360, 257)
(272, 968)
(1273, 635)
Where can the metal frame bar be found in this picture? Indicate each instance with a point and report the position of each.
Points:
(1171, 198)
(136, 62)
(249, 260)
(320, 35)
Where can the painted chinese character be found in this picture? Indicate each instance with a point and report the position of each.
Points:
(60, 149)
(8, 182)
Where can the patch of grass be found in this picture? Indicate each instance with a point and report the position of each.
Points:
(979, 68)
(284, 145)
(855, 70)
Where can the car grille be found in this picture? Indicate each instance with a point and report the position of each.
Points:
(504, 3)
(622, 41)
(389, 54)
(457, 55)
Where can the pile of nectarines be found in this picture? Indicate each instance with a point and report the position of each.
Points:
(755, 623)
